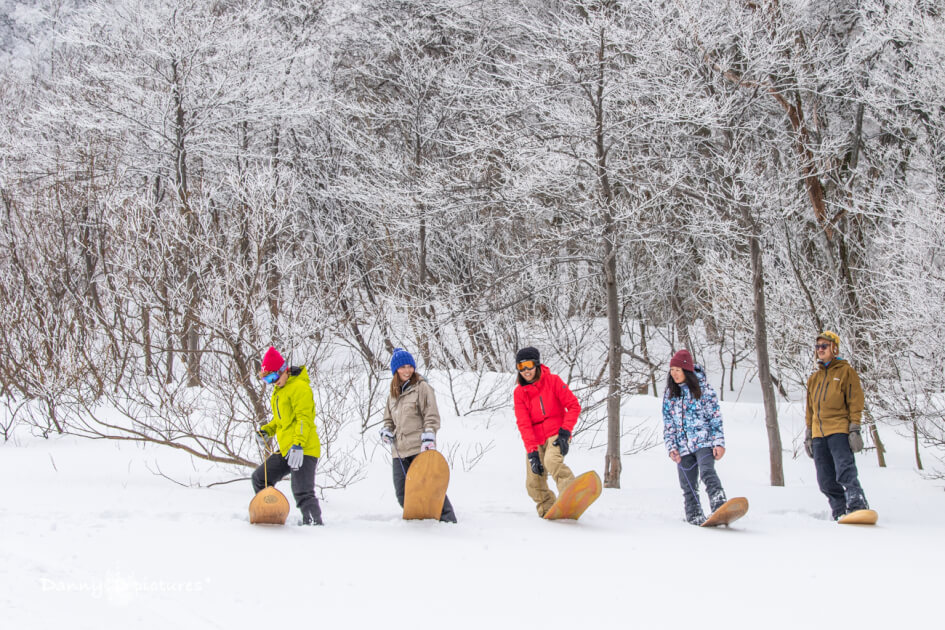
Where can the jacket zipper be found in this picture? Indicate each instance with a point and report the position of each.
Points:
(541, 403)
(820, 419)
(397, 411)
(824, 386)
(279, 414)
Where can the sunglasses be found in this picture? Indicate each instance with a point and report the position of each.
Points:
(525, 365)
(272, 377)
(821, 346)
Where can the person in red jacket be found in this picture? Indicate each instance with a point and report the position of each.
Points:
(546, 411)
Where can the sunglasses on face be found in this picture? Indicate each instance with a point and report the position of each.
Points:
(271, 378)
(525, 365)
(821, 346)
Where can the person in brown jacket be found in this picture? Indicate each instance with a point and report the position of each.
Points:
(411, 420)
(834, 409)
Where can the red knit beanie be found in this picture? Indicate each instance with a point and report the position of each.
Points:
(272, 361)
(682, 359)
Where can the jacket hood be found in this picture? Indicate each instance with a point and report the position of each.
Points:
(833, 362)
(700, 374)
(302, 374)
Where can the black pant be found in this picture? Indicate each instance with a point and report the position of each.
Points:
(401, 466)
(837, 476)
(690, 468)
(303, 484)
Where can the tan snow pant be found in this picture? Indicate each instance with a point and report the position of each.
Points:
(537, 485)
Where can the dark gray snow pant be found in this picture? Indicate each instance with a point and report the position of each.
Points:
(303, 484)
(837, 476)
(690, 468)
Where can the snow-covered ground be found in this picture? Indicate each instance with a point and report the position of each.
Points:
(91, 536)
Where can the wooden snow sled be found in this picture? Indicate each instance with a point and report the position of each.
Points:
(576, 498)
(269, 506)
(730, 511)
(859, 517)
(425, 486)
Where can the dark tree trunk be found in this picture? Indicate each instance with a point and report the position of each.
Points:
(612, 464)
(761, 350)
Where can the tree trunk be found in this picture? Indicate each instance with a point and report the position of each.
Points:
(189, 334)
(761, 350)
(146, 340)
(682, 319)
(612, 464)
(880, 449)
(646, 356)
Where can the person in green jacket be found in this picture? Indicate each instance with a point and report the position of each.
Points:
(293, 425)
(834, 408)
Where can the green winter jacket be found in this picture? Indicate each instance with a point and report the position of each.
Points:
(834, 399)
(293, 415)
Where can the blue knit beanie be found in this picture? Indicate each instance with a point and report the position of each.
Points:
(400, 358)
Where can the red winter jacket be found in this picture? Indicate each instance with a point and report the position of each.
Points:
(544, 406)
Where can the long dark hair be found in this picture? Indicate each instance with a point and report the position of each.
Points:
(692, 382)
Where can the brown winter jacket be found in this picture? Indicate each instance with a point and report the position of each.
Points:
(409, 415)
(834, 399)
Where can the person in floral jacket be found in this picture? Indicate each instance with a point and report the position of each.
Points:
(692, 431)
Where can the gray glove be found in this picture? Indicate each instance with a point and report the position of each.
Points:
(295, 457)
(809, 443)
(427, 441)
(387, 436)
(856, 440)
(262, 439)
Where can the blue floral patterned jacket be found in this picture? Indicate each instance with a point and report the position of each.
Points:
(689, 424)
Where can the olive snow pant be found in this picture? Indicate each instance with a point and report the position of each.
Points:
(837, 476)
(537, 485)
(303, 484)
(401, 466)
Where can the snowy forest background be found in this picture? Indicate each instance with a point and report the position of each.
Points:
(184, 183)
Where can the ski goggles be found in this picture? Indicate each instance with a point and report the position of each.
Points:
(272, 377)
(525, 365)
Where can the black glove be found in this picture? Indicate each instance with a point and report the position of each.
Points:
(855, 439)
(563, 441)
(535, 462)
(809, 443)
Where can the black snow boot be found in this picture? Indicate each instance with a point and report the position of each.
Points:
(447, 515)
(717, 499)
(695, 517)
(312, 515)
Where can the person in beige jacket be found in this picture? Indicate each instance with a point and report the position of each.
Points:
(834, 409)
(411, 420)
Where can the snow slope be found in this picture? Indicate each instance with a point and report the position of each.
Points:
(92, 537)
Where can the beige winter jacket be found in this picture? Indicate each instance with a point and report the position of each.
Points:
(409, 415)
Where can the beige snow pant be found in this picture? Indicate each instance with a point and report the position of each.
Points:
(537, 485)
